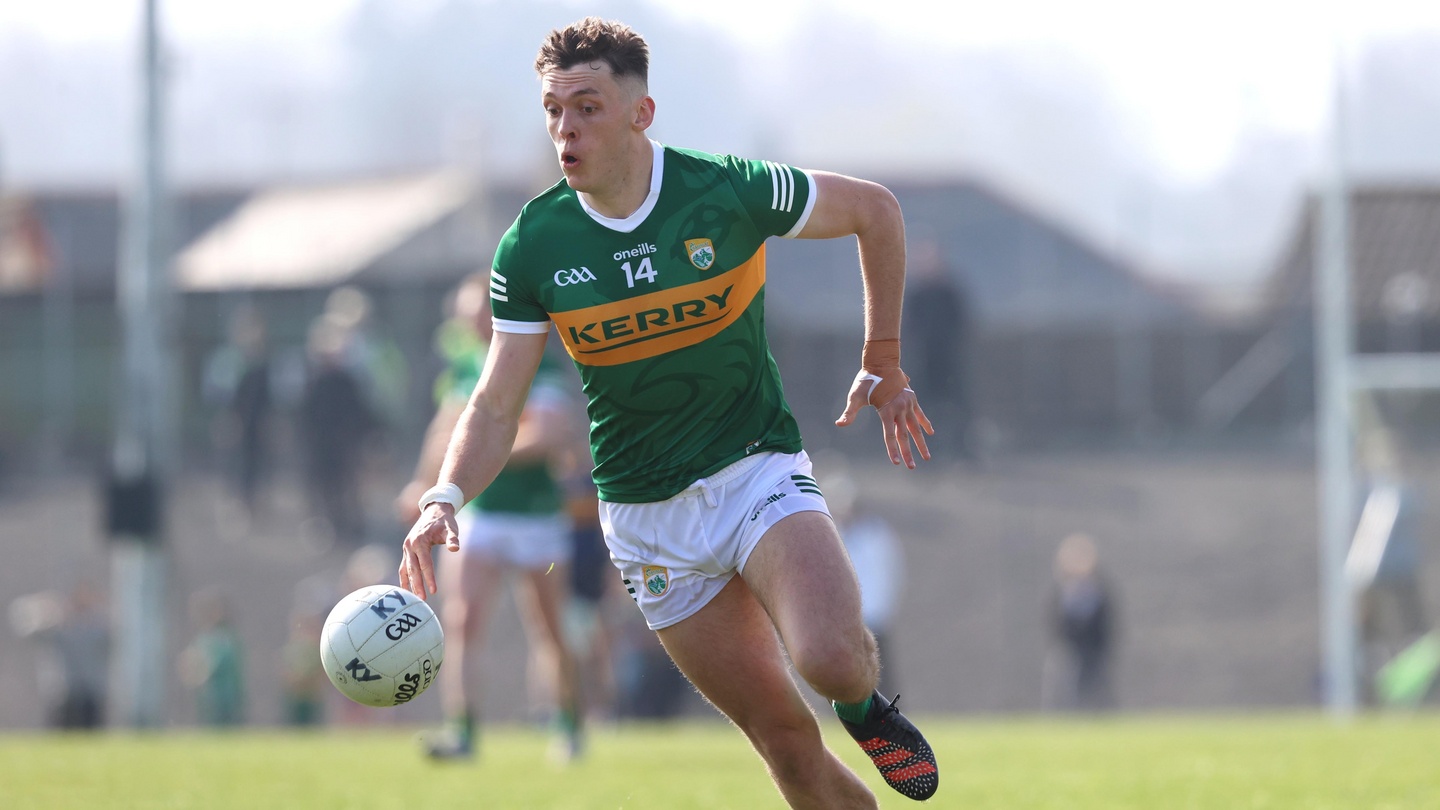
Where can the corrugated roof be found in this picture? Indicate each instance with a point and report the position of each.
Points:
(1018, 267)
(314, 236)
(1394, 252)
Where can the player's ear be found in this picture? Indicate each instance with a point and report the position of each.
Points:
(644, 113)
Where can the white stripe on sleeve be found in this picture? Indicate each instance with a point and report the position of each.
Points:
(809, 207)
(520, 327)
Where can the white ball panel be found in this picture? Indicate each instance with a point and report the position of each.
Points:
(382, 645)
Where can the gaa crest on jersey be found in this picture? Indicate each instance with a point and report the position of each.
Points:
(701, 252)
(657, 579)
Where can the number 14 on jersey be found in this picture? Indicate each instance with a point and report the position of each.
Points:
(645, 272)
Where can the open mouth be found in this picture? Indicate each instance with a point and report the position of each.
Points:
(569, 159)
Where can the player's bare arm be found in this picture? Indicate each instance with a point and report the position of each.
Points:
(478, 449)
(432, 454)
(846, 206)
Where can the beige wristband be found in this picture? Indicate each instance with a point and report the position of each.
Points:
(880, 363)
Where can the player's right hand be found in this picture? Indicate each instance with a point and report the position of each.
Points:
(436, 527)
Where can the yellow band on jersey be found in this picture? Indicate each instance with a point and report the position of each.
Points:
(656, 323)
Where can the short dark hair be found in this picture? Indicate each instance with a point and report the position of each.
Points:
(595, 40)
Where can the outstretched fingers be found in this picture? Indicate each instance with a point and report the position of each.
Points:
(919, 426)
(417, 571)
(904, 423)
(417, 568)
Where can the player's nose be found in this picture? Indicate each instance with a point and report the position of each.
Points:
(565, 127)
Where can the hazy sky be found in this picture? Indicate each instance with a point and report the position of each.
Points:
(1182, 132)
(1235, 64)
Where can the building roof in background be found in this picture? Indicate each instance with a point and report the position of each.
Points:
(1017, 268)
(318, 235)
(1394, 252)
(81, 231)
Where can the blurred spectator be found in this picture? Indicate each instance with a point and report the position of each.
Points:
(372, 357)
(213, 664)
(73, 661)
(237, 380)
(879, 564)
(938, 343)
(306, 685)
(1082, 624)
(336, 425)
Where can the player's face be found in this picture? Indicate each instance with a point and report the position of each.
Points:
(592, 118)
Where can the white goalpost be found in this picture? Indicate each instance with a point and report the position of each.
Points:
(1341, 376)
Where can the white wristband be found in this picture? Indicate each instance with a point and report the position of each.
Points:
(443, 493)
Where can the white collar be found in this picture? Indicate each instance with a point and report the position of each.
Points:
(630, 223)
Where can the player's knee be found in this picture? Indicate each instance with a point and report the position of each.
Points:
(836, 669)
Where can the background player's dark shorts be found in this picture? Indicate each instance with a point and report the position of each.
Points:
(590, 567)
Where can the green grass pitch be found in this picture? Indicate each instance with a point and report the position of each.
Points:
(1154, 763)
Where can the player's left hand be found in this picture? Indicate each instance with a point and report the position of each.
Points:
(902, 421)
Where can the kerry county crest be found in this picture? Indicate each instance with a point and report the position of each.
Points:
(701, 252)
(657, 579)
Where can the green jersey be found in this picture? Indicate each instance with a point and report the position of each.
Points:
(521, 487)
(663, 314)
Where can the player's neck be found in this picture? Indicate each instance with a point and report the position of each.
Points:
(630, 185)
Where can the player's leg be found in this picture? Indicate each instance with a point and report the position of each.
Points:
(800, 573)
(729, 651)
(541, 598)
(469, 581)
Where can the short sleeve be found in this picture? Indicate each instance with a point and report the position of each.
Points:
(778, 197)
(513, 302)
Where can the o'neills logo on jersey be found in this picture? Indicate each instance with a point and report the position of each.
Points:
(701, 252)
(643, 249)
(655, 323)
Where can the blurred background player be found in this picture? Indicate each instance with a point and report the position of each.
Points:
(237, 382)
(588, 621)
(306, 685)
(73, 656)
(213, 665)
(517, 524)
(1082, 619)
(337, 422)
(370, 353)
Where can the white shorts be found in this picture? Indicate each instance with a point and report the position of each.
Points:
(676, 555)
(524, 541)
